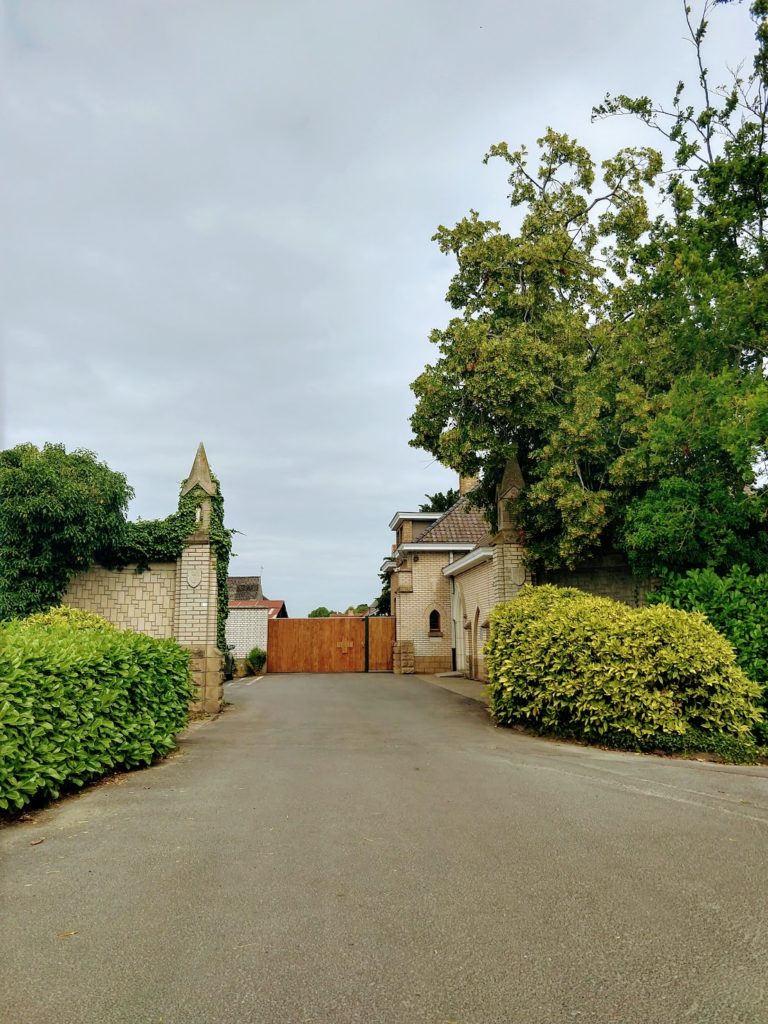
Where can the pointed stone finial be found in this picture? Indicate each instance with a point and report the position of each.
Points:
(200, 474)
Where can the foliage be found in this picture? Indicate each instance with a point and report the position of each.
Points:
(79, 698)
(256, 659)
(63, 615)
(619, 354)
(325, 613)
(440, 502)
(62, 512)
(737, 606)
(565, 662)
(221, 544)
(163, 540)
(59, 511)
(383, 603)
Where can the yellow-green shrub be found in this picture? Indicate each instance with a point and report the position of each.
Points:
(79, 698)
(64, 615)
(565, 662)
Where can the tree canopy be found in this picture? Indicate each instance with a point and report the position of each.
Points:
(325, 613)
(441, 501)
(616, 344)
(59, 512)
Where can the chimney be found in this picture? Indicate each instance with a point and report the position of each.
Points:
(467, 483)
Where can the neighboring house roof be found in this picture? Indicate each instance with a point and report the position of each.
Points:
(275, 609)
(461, 524)
(244, 588)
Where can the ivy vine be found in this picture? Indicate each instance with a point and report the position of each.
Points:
(163, 540)
(61, 512)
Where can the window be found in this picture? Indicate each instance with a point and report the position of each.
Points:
(434, 624)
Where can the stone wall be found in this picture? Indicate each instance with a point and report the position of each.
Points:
(171, 599)
(431, 592)
(174, 599)
(509, 572)
(247, 628)
(476, 596)
(142, 601)
(606, 577)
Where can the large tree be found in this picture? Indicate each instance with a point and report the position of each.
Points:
(616, 344)
(59, 512)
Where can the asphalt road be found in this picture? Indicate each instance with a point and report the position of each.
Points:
(338, 849)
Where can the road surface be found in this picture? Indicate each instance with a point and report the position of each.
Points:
(338, 849)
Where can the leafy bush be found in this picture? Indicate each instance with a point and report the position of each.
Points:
(62, 512)
(737, 606)
(59, 511)
(256, 659)
(565, 662)
(79, 698)
(63, 615)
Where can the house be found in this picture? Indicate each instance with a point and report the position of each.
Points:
(249, 615)
(447, 572)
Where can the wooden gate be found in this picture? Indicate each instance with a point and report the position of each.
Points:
(381, 637)
(343, 644)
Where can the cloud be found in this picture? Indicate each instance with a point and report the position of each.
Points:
(218, 222)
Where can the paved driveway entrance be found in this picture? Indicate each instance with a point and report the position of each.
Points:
(372, 851)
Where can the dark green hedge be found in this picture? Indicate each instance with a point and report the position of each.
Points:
(737, 606)
(565, 662)
(79, 698)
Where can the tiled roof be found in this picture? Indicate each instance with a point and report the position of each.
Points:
(461, 524)
(273, 607)
(244, 588)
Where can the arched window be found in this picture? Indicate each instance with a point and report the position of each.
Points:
(434, 623)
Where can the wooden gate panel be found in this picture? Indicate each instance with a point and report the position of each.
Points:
(316, 645)
(381, 636)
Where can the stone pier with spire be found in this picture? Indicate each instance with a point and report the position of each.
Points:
(196, 594)
(169, 599)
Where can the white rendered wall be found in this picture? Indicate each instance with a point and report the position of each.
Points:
(246, 629)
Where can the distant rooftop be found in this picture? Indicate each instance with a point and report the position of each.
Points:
(244, 588)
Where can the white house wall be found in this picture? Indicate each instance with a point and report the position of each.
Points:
(246, 629)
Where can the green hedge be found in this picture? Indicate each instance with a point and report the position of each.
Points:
(737, 606)
(565, 662)
(79, 698)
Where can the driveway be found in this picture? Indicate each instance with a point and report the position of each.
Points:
(338, 849)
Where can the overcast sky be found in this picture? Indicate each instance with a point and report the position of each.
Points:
(219, 218)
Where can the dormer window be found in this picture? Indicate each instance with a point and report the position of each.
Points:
(434, 623)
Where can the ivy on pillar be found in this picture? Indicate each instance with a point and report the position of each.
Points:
(197, 592)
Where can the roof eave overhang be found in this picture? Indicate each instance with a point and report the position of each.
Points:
(421, 517)
(415, 547)
(476, 557)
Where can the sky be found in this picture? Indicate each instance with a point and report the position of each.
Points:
(217, 226)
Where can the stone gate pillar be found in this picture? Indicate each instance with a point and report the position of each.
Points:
(197, 595)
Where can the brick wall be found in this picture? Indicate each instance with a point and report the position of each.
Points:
(246, 629)
(196, 596)
(509, 572)
(173, 599)
(145, 601)
(476, 589)
(431, 592)
(606, 577)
